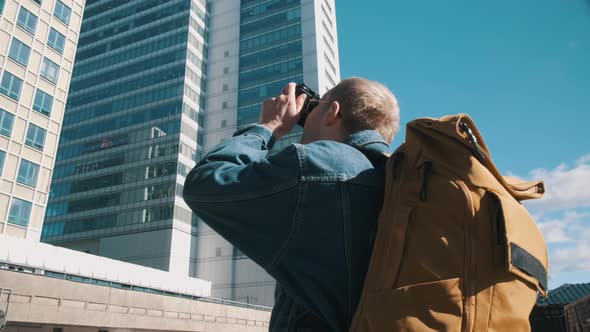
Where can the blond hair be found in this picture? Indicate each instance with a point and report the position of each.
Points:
(367, 104)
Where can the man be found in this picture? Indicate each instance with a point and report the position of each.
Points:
(306, 214)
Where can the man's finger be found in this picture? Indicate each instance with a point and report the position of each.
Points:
(300, 101)
(291, 90)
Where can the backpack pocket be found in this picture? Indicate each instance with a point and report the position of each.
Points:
(430, 306)
(524, 249)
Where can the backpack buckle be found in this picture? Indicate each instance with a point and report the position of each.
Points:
(465, 128)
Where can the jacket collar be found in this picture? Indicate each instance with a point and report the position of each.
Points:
(368, 140)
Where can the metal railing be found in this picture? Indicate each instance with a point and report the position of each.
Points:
(98, 282)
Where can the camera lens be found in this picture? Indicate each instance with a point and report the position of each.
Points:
(307, 108)
(310, 102)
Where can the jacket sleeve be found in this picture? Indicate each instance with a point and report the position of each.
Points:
(245, 195)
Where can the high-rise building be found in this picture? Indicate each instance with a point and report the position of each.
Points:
(156, 84)
(38, 41)
(257, 47)
(131, 133)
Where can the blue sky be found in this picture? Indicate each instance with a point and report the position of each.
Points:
(521, 69)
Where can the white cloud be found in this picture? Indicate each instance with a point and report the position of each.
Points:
(563, 214)
(572, 258)
(566, 187)
(583, 160)
(554, 232)
(572, 226)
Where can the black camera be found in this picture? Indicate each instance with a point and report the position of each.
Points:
(311, 102)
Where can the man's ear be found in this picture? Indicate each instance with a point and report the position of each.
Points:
(333, 114)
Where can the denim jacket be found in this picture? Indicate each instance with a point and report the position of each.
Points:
(306, 214)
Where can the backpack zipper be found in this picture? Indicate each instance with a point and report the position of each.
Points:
(469, 263)
(425, 180)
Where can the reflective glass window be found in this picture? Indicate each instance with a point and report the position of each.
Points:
(2, 157)
(11, 85)
(50, 70)
(20, 212)
(19, 52)
(258, 94)
(279, 53)
(272, 22)
(6, 120)
(62, 12)
(35, 137)
(43, 102)
(27, 20)
(28, 173)
(56, 40)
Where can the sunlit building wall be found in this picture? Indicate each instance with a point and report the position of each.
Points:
(38, 40)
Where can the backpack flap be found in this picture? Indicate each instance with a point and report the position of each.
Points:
(462, 128)
(524, 247)
(525, 251)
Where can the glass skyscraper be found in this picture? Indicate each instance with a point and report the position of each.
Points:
(131, 132)
(156, 84)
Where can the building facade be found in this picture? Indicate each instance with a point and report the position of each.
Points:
(38, 40)
(156, 85)
(131, 133)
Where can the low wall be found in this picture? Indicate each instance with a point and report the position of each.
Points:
(40, 303)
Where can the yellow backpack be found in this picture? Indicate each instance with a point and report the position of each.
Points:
(455, 250)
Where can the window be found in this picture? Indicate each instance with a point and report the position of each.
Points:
(19, 52)
(225, 70)
(35, 137)
(11, 85)
(27, 20)
(56, 40)
(224, 105)
(43, 102)
(62, 12)
(226, 54)
(28, 173)
(225, 87)
(6, 120)
(223, 123)
(49, 70)
(20, 211)
(2, 157)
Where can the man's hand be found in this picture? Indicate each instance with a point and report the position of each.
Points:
(280, 114)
